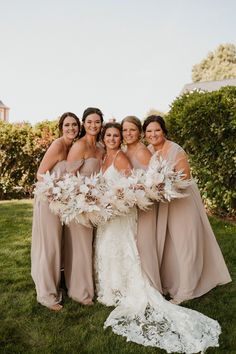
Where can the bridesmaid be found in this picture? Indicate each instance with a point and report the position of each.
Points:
(85, 156)
(147, 245)
(192, 262)
(47, 228)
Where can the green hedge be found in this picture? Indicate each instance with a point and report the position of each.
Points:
(204, 124)
(21, 150)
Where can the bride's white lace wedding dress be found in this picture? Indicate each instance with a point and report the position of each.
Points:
(141, 314)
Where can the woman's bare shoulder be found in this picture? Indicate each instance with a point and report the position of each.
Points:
(143, 151)
(122, 159)
(81, 143)
(122, 162)
(77, 151)
(122, 156)
(58, 144)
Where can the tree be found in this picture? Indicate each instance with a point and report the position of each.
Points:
(218, 65)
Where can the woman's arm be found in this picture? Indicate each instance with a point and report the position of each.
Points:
(76, 156)
(143, 155)
(182, 164)
(122, 164)
(51, 157)
(77, 151)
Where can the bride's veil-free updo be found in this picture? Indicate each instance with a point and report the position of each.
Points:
(111, 125)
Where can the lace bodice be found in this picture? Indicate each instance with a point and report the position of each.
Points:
(110, 172)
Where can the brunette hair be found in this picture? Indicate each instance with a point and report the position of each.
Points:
(63, 117)
(87, 112)
(133, 119)
(156, 119)
(111, 125)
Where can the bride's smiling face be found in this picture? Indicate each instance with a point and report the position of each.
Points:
(112, 138)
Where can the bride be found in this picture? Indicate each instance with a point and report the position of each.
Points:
(141, 313)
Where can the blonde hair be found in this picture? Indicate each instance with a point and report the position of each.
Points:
(133, 119)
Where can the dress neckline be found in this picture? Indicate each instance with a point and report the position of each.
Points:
(112, 164)
(89, 158)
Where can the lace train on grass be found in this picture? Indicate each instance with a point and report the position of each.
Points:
(141, 314)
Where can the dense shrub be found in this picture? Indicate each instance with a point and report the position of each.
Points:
(204, 124)
(44, 133)
(21, 149)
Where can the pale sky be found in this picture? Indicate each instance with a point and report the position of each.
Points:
(124, 57)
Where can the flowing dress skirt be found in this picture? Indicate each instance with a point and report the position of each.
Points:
(141, 314)
(192, 261)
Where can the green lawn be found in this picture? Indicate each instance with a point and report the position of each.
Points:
(27, 327)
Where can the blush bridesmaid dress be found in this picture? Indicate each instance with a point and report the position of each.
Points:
(149, 247)
(78, 266)
(47, 233)
(192, 263)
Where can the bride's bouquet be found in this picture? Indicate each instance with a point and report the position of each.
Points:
(124, 193)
